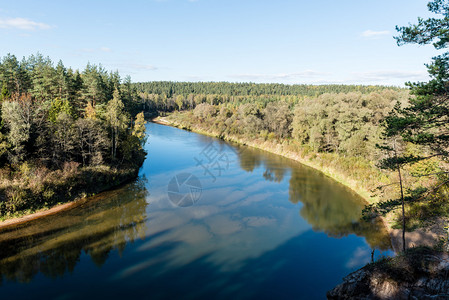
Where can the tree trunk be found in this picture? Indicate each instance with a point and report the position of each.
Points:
(403, 209)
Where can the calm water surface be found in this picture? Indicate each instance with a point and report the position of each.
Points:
(237, 223)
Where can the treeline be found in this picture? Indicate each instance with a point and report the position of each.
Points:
(171, 88)
(55, 119)
(165, 96)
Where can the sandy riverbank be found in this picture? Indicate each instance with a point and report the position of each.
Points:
(39, 214)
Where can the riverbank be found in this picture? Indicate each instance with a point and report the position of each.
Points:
(71, 189)
(357, 181)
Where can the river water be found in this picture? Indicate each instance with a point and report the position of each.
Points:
(204, 220)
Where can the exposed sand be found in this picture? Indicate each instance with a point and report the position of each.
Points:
(419, 237)
(39, 214)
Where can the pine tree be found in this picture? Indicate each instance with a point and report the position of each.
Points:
(425, 121)
(4, 94)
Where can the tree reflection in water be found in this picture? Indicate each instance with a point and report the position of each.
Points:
(327, 205)
(53, 245)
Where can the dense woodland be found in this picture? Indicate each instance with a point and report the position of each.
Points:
(165, 96)
(58, 122)
(63, 132)
(170, 88)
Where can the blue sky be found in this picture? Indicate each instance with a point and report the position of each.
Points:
(287, 41)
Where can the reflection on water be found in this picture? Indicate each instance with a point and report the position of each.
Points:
(267, 227)
(53, 245)
(330, 207)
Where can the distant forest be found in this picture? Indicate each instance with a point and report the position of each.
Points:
(166, 96)
(171, 88)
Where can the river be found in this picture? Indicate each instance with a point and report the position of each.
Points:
(204, 220)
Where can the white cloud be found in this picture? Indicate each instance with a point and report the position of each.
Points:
(381, 77)
(131, 68)
(105, 49)
(138, 66)
(22, 23)
(92, 50)
(386, 75)
(279, 76)
(360, 257)
(371, 34)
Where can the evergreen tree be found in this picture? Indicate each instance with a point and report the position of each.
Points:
(63, 81)
(425, 120)
(44, 78)
(93, 85)
(13, 74)
(117, 119)
(57, 107)
(4, 94)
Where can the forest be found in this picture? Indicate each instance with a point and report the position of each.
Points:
(170, 88)
(64, 134)
(164, 96)
(67, 133)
